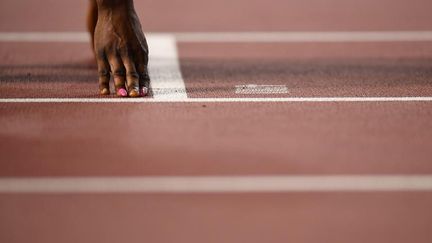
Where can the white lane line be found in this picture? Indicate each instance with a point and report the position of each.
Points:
(319, 36)
(217, 100)
(164, 69)
(217, 184)
(261, 89)
(285, 36)
(44, 37)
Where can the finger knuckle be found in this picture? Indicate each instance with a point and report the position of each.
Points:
(145, 77)
(103, 73)
(119, 72)
(133, 74)
(100, 53)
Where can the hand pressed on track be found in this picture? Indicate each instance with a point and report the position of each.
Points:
(121, 51)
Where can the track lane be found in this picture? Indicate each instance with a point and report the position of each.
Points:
(211, 138)
(297, 217)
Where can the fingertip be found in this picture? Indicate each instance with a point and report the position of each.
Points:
(134, 93)
(122, 92)
(104, 91)
(144, 91)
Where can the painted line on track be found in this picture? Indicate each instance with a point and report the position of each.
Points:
(261, 89)
(217, 184)
(164, 69)
(217, 100)
(286, 36)
(338, 36)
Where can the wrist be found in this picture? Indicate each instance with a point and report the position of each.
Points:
(114, 5)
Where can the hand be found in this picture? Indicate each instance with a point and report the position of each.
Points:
(121, 51)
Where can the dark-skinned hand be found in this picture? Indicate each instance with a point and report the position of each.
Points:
(121, 49)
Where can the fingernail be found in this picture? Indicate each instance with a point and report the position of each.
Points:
(144, 91)
(134, 93)
(122, 92)
(104, 91)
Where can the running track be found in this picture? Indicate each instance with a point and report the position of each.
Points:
(338, 149)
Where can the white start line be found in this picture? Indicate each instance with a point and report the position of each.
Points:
(164, 69)
(167, 84)
(218, 184)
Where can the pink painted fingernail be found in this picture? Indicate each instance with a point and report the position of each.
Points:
(144, 91)
(122, 92)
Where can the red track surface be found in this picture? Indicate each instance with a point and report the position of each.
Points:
(189, 139)
(195, 139)
(297, 217)
(231, 15)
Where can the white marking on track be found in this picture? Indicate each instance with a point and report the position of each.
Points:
(318, 36)
(217, 184)
(218, 100)
(44, 37)
(286, 36)
(261, 89)
(164, 69)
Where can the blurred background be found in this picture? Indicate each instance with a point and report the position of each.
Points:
(230, 15)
